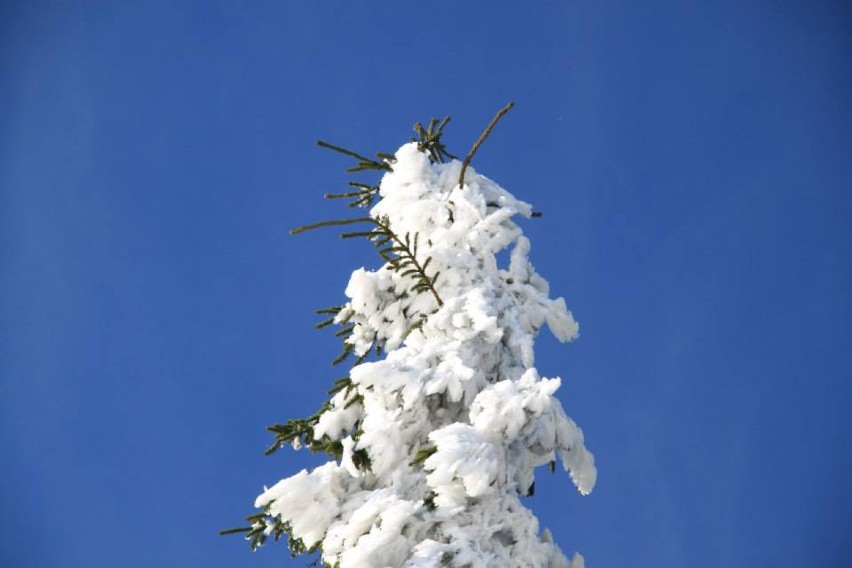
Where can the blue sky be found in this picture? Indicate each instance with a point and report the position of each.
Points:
(692, 164)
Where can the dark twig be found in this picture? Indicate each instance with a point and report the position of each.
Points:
(430, 140)
(304, 228)
(481, 139)
(364, 163)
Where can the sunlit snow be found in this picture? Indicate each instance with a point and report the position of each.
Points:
(458, 379)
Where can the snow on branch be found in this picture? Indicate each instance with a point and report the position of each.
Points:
(434, 441)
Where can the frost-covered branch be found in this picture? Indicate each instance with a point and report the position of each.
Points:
(403, 257)
(434, 442)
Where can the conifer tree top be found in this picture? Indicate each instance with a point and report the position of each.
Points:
(435, 439)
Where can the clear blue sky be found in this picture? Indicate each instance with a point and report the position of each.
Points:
(692, 161)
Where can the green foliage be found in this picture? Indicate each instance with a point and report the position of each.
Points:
(263, 525)
(429, 501)
(344, 333)
(400, 254)
(300, 431)
(423, 454)
(364, 163)
(363, 196)
(429, 140)
(330, 311)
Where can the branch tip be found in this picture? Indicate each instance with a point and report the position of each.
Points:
(304, 228)
(482, 138)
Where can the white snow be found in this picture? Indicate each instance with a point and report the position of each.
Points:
(458, 378)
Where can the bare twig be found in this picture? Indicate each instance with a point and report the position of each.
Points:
(304, 228)
(364, 163)
(481, 139)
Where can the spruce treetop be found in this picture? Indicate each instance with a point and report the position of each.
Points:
(437, 428)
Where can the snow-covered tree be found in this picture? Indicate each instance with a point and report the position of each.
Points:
(438, 427)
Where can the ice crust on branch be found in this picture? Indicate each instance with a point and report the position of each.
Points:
(457, 382)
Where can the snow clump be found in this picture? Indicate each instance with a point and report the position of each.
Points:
(457, 385)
